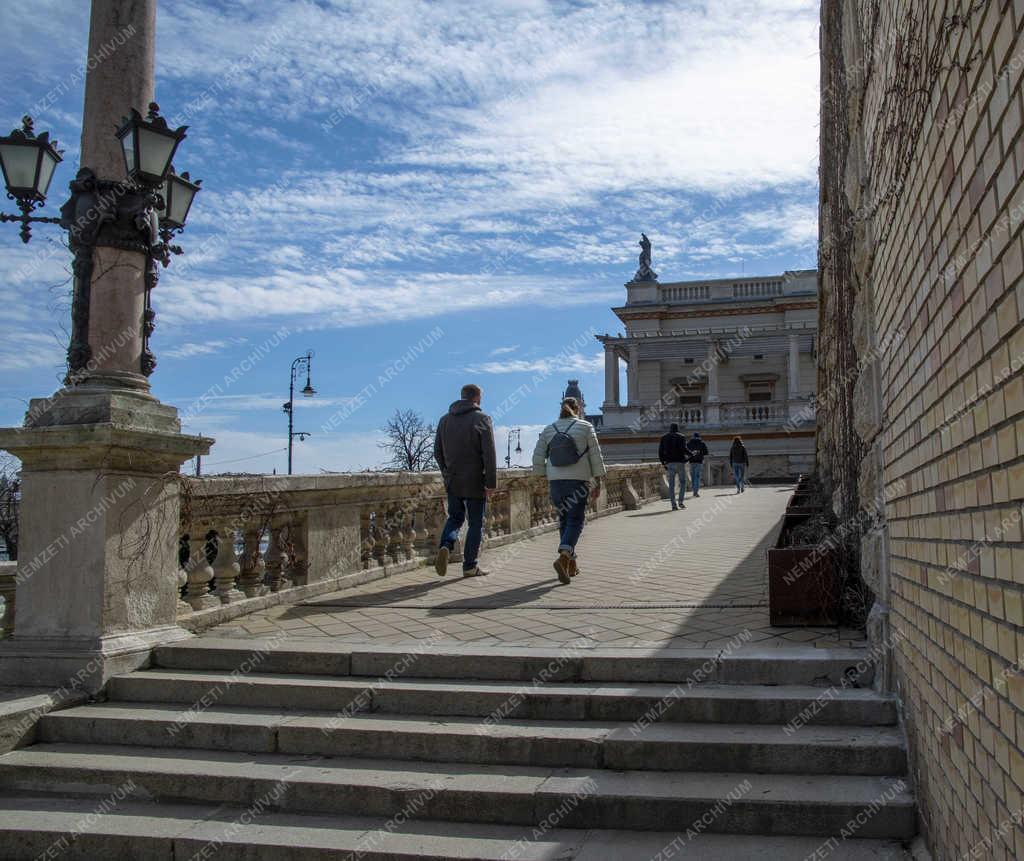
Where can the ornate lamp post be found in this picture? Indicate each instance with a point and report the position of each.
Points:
(141, 213)
(289, 407)
(97, 609)
(516, 434)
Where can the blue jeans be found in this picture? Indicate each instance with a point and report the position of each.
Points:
(458, 508)
(738, 471)
(569, 496)
(676, 470)
(695, 470)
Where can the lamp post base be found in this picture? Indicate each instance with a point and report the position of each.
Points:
(97, 575)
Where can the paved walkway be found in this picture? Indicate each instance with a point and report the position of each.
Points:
(649, 578)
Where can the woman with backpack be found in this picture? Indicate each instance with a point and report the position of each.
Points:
(569, 455)
(739, 460)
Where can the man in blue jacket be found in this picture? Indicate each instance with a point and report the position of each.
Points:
(698, 451)
(674, 454)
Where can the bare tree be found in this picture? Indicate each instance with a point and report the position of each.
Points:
(410, 442)
(10, 495)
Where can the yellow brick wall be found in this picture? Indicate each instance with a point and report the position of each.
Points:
(937, 258)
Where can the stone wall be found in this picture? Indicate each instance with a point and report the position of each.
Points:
(921, 396)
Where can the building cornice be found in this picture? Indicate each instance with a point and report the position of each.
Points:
(667, 312)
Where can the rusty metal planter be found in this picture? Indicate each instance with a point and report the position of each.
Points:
(803, 582)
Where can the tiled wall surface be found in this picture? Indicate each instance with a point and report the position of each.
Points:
(922, 253)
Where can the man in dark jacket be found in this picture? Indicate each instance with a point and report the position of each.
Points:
(673, 454)
(464, 450)
(698, 451)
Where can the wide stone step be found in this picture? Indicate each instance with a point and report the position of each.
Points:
(134, 831)
(744, 665)
(593, 744)
(772, 804)
(496, 701)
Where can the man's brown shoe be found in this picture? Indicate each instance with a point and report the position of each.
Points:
(476, 571)
(562, 566)
(574, 568)
(441, 561)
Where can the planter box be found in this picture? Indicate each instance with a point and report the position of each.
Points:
(803, 584)
(803, 504)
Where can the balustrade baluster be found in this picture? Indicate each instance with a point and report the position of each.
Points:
(252, 567)
(298, 555)
(8, 583)
(277, 559)
(199, 573)
(184, 608)
(380, 538)
(396, 535)
(365, 537)
(225, 566)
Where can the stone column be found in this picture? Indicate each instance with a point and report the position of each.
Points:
(794, 367)
(611, 377)
(98, 569)
(633, 376)
(712, 408)
(123, 80)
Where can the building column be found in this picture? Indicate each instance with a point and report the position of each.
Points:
(97, 579)
(611, 377)
(712, 411)
(794, 367)
(633, 376)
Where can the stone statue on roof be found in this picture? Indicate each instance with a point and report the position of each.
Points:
(645, 273)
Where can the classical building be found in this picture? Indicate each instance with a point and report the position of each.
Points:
(725, 357)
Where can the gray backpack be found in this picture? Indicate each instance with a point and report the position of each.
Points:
(562, 448)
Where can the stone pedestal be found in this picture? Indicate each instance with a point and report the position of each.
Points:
(97, 579)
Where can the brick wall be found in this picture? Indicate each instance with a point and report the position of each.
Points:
(921, 404)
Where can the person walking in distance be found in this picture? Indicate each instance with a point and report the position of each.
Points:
(674, 455)
(739, 460)
(464, 451)
(698, 451)
(569, 454)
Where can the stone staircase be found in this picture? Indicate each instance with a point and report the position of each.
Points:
(237, 749)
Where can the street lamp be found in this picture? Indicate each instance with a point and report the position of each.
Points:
(28, 163)
(178, 193)
(148, 145)
(516, 434)
(307, 392)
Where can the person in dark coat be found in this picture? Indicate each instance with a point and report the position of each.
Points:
(739, 460)
(698, 451)
(674, 455)
(464, 451)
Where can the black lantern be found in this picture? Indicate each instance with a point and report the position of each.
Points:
(308, 391)
(178, 193)
(149, 145)
(28, 163)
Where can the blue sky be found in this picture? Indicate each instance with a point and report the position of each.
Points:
(424, 194)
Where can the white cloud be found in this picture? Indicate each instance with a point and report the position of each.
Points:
(499, 351)
(189, 349)
(563, 363)
(344, 298)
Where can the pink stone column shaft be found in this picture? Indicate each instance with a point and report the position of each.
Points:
(119, 76)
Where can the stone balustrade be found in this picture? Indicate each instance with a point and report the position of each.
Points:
(246, 539)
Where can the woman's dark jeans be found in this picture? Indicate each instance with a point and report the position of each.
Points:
(569, 496)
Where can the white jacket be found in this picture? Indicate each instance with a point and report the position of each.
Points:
(591, 465)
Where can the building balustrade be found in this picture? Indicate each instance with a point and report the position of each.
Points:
(754, 412)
